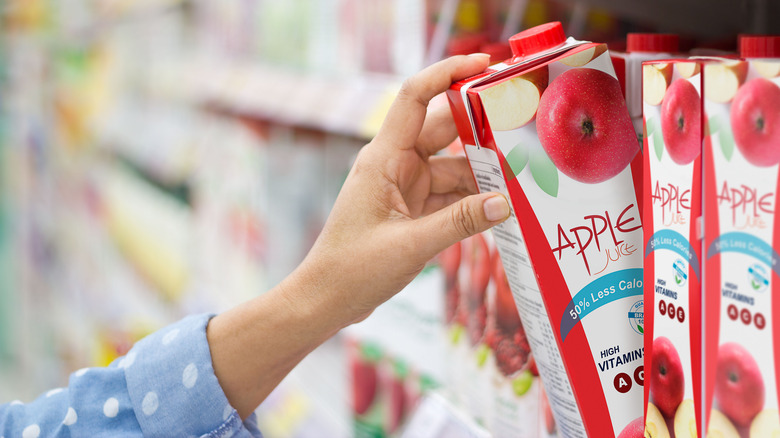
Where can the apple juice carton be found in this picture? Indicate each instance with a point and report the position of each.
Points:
(468, 351)
(514, 381)
(672, 246)
(742, 241)
(640, 47)
(549, 129)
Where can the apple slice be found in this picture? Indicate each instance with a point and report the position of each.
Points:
(655, 425)
(513, 103)
(720, 426)
(766, 424)
(685, 420)
(688, 69)
(767, 69)
(655, 80)
(722, 80)
(583, 57)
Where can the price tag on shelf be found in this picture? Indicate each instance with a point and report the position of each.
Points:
(436, 417)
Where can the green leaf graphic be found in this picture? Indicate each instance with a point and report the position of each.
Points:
(544, 172)
(641, 330)
(517, 159)
(726, 141)
(482, 354)
(650, 126)
(658, 144)
(713, 126)
(522, 383)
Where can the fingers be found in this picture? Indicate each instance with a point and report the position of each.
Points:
(451, 174)
(436, 202)
(404, 121)
(471, 215)
(438, 131)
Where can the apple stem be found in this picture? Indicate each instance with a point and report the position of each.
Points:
(662, 370)
(680, 123)
(733, 377)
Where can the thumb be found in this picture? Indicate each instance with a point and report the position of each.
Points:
(471, 215)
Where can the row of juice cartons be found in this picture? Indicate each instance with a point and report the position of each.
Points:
(559, 132)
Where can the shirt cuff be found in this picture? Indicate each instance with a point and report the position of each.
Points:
(173, 388)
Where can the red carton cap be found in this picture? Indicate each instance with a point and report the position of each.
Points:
(759, 46)
(653, 42)
(537, 39)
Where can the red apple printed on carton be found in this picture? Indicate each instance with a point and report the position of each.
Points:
(739, 386)
(666, 377)
(635, 429)
(365, 379)
(398, 404)
(755, 122)
(584, 127)
(681, 122)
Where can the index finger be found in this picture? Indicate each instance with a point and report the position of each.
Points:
(404, 121)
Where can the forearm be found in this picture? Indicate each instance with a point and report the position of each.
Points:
(255, 345)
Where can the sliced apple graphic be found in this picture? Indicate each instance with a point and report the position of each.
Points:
(655, 424)
(766, 424)
(767, 69)
(685, 420)
(585, 56)
(722, 80)
(655, 80)
(513, 103)
(720, 426)
(688, 69)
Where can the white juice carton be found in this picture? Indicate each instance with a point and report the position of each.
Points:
(742, 241)
(640, 47)
(672, 91)
(550, 130)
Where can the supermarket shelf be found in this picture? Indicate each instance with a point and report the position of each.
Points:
(353, 106)
(708, 19)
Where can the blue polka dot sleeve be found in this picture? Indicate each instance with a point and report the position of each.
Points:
(164, 387)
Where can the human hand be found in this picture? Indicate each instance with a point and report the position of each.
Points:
(401, 205)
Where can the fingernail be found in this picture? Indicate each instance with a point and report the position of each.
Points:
(496, 208)
(480, 55)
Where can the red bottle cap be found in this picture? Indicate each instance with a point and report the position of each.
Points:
(653, 42)
(537, 39)
(759, 46)
(497, 51)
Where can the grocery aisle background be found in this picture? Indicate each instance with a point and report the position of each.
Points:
(165, 157)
